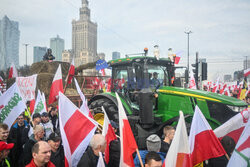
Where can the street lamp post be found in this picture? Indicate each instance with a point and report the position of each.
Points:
(188, 32)
(26, 52)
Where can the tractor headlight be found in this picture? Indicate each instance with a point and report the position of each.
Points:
(237, 108)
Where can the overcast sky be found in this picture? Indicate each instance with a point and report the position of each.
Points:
(221, 29)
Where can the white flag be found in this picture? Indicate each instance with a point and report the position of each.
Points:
(39, 105)
(11, 105)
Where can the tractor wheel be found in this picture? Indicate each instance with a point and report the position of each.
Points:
(110, 108)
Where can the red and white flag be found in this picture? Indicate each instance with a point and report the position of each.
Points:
(241, 154)
(192, 84)
(215, 88)
(109, 134)
(71, 72)
(128, 144)
(202, 140)
(179, 151)
(57, 85)
(84, 107)
(13, 72)
(1, 82)
(76, 130)
(234, 126)
(246, 72)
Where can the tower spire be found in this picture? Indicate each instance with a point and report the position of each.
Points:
(84, 10)
(85, 3)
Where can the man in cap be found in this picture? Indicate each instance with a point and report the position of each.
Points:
(57, 152)
(153, 143)
(155, 81)
(41, 153)
(4, 151)
(48, 126)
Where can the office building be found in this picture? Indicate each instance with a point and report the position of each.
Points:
(38, 53)
(9, 43)
(57, 47)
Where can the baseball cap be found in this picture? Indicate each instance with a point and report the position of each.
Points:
(6, 146)
(44, 114)
(55, 137)
(36, 115)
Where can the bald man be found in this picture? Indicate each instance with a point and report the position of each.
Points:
(41, 153)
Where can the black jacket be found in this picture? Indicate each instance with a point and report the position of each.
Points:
(57, 158)
(89, 159)
(164, 147)
(27, 150)
(17, 136)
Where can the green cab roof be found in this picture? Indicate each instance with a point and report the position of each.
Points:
(202, 95)
(131, 59)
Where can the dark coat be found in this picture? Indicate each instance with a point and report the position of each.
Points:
(164, 147)
(17, 136)
(114, 153)
(88, 159)
(27, 150)
(57, 158)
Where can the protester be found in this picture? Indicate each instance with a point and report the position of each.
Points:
(153, 160)
(48, 127)
(57, 152)
(36, 120)
(153, 143)
(91, 156)
(155, 81)
(34, 138)
(53, 115)
(168, 132)
(41, 153)
(16, 136)
(4, 132)
(4, 151)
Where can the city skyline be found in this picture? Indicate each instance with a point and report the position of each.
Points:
(220, 29)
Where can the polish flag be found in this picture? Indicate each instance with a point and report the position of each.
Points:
(57, 85)
(177, 60)
(109, 85)
(1, 81)
(179, 151)
(71, 71)
(108, 132)
(234, 126)
(76, 130)
(215, 88)
(246, 72)
(223, 89)
(202, 140)
(241, 154)
(192, 84)
(128, 144)
(84, 107)
(13, 72)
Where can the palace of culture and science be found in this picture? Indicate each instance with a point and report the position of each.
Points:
(84, 40)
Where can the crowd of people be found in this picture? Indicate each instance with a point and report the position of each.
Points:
(37, 143)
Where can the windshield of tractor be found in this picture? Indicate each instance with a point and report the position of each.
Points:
(158, 76)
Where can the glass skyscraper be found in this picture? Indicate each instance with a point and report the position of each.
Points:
(38, 53)
(9, 43)
(57, 47)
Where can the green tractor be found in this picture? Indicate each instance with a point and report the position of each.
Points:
(151, 102)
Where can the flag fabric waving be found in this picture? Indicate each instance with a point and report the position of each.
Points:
(100, 162)
(57, 85)
(192, 84)
(11, 105)
(71, 72)
(84, 107)
(39, 105)
(76, 130)
(202, 140)
(241, 154)
(179, 151)
(246, 72)
(13, 72)
(108, 133)
(128, 144)
(177, 60)
(234, 126)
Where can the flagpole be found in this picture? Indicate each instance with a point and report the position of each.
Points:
(139, 156)
(67, 78)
